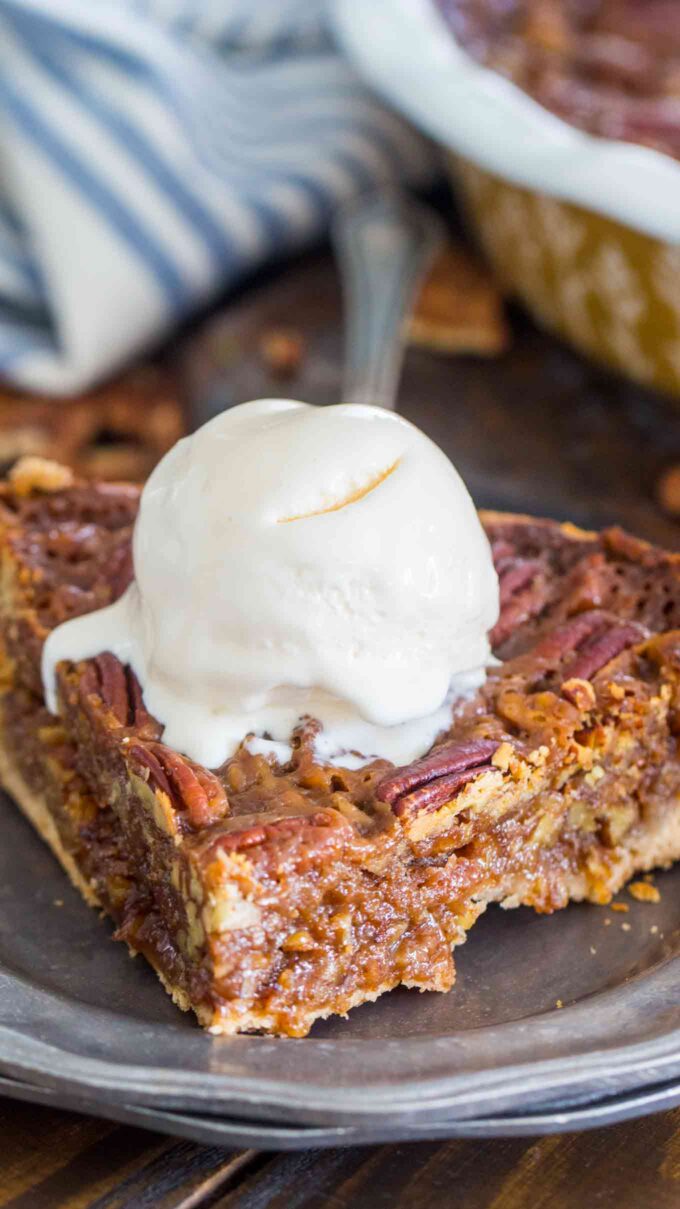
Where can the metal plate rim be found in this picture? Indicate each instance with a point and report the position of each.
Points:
(501, 1088)
(225, 1131)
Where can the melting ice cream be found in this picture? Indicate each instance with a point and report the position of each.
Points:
(293, 560)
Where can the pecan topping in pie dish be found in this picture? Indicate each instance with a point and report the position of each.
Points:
(611, 67)
(279, 888)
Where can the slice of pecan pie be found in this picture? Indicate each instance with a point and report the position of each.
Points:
(267, 895)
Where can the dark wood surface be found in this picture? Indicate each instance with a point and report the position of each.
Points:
(536, 430)
(57, 1160)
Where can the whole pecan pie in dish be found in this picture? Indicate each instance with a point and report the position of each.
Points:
(267, 895)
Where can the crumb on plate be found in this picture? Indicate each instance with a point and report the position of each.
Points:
(644, 892)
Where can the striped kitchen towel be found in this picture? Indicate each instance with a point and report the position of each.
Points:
(152, 151)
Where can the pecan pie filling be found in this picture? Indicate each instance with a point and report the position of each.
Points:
(267, 894)
(611, 67)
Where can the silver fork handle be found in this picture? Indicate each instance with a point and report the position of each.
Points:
(384, 244)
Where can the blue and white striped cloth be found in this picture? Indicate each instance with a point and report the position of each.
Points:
(151, 151)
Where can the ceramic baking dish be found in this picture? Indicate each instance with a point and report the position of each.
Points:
(585, 230)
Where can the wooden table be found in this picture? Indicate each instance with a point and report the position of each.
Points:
(537, 430)
(56, 1160)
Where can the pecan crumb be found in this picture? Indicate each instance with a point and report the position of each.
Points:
(580, 692)
(31, 474)
(620, 907)
(282, 351)
(502, 756)
(298, 942)
(644, 893)
(668, 490)
(459, 308)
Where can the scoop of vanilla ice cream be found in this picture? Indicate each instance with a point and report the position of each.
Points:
(293, 560)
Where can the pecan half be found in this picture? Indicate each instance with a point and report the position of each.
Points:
(140, 717)
(435, 793)
(428, 783)
(566, 638)
(523, 595)
(600, 650)
(451, 757)
(120, 692)
(144, 760)
(191, 789)
(517, 575)
(113, 686)
(201, 792)
(319, 829)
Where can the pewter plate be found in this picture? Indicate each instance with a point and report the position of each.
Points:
(85, 1024)
(268, 1135)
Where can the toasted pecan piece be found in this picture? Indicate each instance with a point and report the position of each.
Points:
(192, 790)
(113, 686)
(143, 760)
(435, 793)
(600, 649)
(31, 474)
(459, 308)
(120, 692)
(319, 828)
(448, 758)
(567, 637)
(517, 575)
(523, 595)
(644, 892)
(282, 351)
(118, 430)
(140, 717)
(433, 780)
